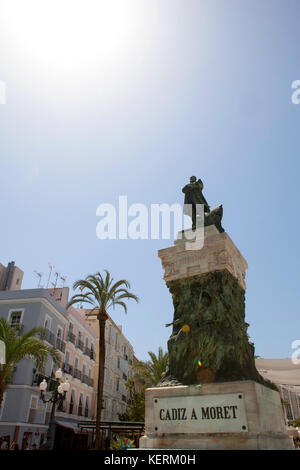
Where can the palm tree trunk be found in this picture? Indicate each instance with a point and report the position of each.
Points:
(102, 317)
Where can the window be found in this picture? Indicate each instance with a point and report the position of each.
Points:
(71, 407)
(118, 363)
(87, 406)
(80, 407)
(2, 405)
(289, 413)
(83, 369)
(118, 385)
(15, 317)
(92, 352)
(67, 357)
(34, 403)
(33, 409)
(47, 323)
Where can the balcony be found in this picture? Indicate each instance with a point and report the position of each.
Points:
(87, 380)
(80, 345)
(71, 337)
(72, 409)
(67, 368)
(77, 374)
(67, 407)
(61, 345)
(90, 353)
(56, 342)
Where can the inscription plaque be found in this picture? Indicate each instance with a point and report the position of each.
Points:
(220, 413)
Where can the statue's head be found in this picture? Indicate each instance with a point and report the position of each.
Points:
(193, 179)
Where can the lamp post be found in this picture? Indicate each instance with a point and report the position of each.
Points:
(58, 395)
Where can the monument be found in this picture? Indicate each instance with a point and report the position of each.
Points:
(211, 396)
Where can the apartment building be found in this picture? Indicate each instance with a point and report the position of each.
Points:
(78, 367)
(118, 367)
(286, 376)
(23, 416)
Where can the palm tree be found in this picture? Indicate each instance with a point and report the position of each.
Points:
(151, 372)
(18, 347)
(101, 294)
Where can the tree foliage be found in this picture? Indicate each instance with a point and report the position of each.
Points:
(136, 409)
(18, 347)
(150, 372)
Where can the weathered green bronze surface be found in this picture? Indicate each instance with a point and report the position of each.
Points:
(209, 326)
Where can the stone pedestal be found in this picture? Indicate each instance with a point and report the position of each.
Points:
(210, 251)
(217, 416)
(229, 405)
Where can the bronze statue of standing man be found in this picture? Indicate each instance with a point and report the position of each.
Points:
(193, 196)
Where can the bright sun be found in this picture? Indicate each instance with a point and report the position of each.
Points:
(70, 35)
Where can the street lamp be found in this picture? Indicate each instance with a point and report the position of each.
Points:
(58, 395)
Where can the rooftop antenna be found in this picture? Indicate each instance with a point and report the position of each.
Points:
(56, 277)
(50, 267)
(63, 278)
(40, 277)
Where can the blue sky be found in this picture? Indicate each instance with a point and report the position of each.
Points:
(190, 87)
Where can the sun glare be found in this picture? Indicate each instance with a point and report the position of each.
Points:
(69, 35)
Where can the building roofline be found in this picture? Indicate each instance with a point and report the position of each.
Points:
(31, 294)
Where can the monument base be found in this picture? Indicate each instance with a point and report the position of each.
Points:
(237, 415)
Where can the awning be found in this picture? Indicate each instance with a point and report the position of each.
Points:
(68, 424)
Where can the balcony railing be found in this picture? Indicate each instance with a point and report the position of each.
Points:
(87, 351)
(68, 407)
(87, 380)
(61, 345)
(77, 374)
(90, 353)
(71, 337)
(80, 345)
(71, 408)
(67, 368)
(56, 342)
